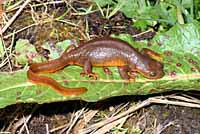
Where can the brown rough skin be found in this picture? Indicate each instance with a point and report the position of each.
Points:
(103, 52)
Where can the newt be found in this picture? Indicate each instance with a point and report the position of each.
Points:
(103, 52)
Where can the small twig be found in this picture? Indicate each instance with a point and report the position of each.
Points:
(1, 15)
(35, 24)
(87, 28)
(14, 17)
(160, 128)
(79, 113)
(58, 128)
(190, 97)
(116, 9)
(100, 9)
(22, 120)
(142, 33)
(47, 129)
(179, 14)
(120, 108)
(7, 55)
(37, 5)
(135, 108)
(108, 127)
(184, 99)
(84, 121)
(20, 30)
(5, 132)
(4, 62)
(25, 125)
(69, 5)
(111, 119)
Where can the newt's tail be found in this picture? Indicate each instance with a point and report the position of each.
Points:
(48, 67)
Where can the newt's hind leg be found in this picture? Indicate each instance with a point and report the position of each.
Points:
(87, 70)
(124, 73)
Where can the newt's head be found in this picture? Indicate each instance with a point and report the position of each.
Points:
(150, 68)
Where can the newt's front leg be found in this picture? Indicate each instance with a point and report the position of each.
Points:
(124, 73)
(87, 70)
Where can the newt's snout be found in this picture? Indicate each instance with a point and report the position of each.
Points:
(151, 69)
(155, 70)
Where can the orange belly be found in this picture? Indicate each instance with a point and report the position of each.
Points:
(107, 63)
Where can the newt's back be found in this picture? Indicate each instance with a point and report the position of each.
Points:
(104, 52)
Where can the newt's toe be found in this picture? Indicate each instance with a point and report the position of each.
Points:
(93, 75)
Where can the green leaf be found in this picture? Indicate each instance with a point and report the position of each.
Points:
(180, 47)
(133, 8)
(159, 13)
(141, 24)
(26, 52)
(168, 13)
(57, 49)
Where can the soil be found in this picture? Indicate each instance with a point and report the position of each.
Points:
(155, 119)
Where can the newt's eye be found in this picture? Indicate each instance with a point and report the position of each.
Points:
(152, 74)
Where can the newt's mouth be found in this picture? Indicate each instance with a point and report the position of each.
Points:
(157, 75)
